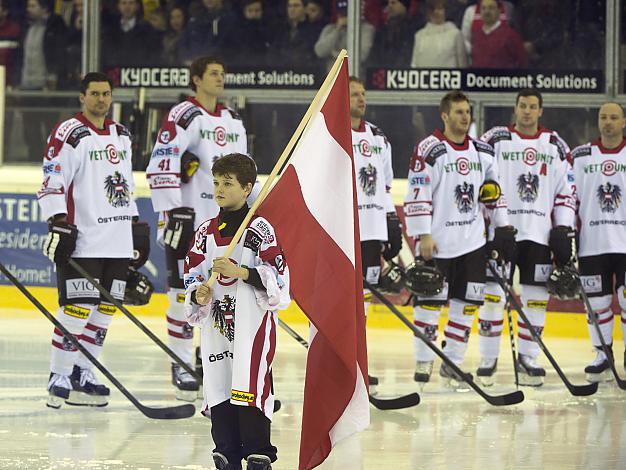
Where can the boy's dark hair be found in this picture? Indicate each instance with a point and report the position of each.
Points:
(237, 165)
(451, 97)
(356, 80)
(198, 67)
(529, 92)
(94, 77)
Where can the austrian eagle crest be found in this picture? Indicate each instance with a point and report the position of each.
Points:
(464, 197)
(223, 312)
(528, 187)
(609, 196)
(117, 191)
(367, 179)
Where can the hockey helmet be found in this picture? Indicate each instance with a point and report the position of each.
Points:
(139, 289)
(423, 278)
(391, 280)
(564, 283)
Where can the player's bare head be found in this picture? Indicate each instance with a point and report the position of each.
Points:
(200, 66)
(528, 92)
(451, 97)
(455, 112)
(528, 109)
(96, 95)
(357, 98)
(92, 77)
(611, 120)
(237, 166)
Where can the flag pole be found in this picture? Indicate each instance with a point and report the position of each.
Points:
(313, 107)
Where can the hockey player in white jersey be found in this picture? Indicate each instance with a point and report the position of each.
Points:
(87, 198)
(379, 225)
(195, 133)
(238, 317)
(448, 172)
(600, 179)
(535, 174)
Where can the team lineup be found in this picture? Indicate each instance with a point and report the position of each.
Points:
(478, 209)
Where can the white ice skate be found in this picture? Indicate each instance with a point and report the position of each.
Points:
(87, 390)
(599, 370)
(59, 388)
(486, 370)
(530, 373)
(453, 381)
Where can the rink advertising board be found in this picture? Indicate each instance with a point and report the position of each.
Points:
(278, 78)
(485, 80)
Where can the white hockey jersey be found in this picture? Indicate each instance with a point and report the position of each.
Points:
(600, 181)
(442, 195)
(238, 336)
(209, 136)
(88, 176)
(535, 174)
(374, 176)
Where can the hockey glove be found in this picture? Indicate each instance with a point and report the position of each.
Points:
(489, 192)
(179, 230)
(560, 243)
(563, 282)
(393, 245)
(189, 164)
(139, 289)
(141, 244)
(61, 241)
(503, 245)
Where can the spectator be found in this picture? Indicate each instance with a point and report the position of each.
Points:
(248, 42)
(472, 20)
(73, 52)
(129, 40)
(296, 37)
(316, 16)
(157, 19)
(177, 19)
(9, 43)
(333, 37)
(496, 44)
(394, 40)
(439, 43)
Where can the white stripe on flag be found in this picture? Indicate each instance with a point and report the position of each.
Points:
(356, 416)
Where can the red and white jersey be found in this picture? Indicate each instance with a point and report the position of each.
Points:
(88, 176)
(600, 181)
(209, 136)
(535, 174)
(442, 196)
(239, 334)
(374, 175)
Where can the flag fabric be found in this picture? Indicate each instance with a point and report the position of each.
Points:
(314, 212)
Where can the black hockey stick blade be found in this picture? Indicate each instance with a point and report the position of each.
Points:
(576, 390)
(175, 412)
(134, 319)
(497, 400)
(397, 403)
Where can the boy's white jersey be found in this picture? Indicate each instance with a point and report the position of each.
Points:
(188, 127)
(442, 196)
(600, 181)
(374, 176)
(535, 174)
(239, 334)
(87, 174)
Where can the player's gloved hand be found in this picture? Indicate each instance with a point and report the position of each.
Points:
(179, 230)
(141, 244)
(393, 245)
(189, 164)
(489, 192)
(503, 246)
(561, 244)
(61, 240)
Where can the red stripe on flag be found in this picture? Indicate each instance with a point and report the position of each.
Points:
(255, 357)
(269, 359)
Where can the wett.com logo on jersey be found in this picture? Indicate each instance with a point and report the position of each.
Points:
(219, 136)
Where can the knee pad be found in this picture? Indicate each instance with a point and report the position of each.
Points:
(601, 303)
(462, 312)
(621, 297)
(74, 316)
(535, 297)
(176, 298)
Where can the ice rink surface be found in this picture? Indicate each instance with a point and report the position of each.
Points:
(448, 430)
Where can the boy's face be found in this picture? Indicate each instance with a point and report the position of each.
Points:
(229, 193)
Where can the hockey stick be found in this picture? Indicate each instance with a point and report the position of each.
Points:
(133, 318)
(404, 401)
(576, 390)
(174, 412)
(498, 400)
(509, 319)
(591, 314)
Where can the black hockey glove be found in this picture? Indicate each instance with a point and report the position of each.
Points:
(560, 243)
(393, 245)
(141, 244)
(179, 230)
(563, 282)
(139, 289)
(61, 241)
(503, 245)
(489, 192)
(189, 164)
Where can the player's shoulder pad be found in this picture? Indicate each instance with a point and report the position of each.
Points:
(184, 113)
(581, 151)
(70, 131)
(431, 148)
(122, 130)
(264, 229)
(496, 134)
(560, 145)
(377, 132)
(483, 147)
(233, 114)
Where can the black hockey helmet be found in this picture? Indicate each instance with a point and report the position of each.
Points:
(391, 280)
(563, 283)
(139, 289)
(423, 279)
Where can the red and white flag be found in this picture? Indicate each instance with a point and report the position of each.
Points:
(313, 209)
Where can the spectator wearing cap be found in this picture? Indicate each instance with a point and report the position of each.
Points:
(440, 42)
(333, 37)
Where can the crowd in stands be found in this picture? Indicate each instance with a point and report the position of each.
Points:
(41, 40)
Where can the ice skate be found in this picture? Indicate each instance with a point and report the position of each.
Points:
(452, 379)
(59, 388)
(258, 462)
(87, 390)
(221, 462)
(530, 373)
(599, 370)
(486, 370)
(186, 385)
(423, 370)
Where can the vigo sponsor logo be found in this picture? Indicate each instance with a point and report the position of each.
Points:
(75, 288)
(76, 312)
(109, 153)
(373, 274)
(470, 309)
(539, 304)
(238, 395)
(118, 287)
(542, 271)
(475, 291)
(219, 136)
(592, 284)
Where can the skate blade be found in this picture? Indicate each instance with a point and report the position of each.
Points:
(54, 402)
(530, 381)
(187, 395)
(605, 376)
(455, 385)
(84, 399)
